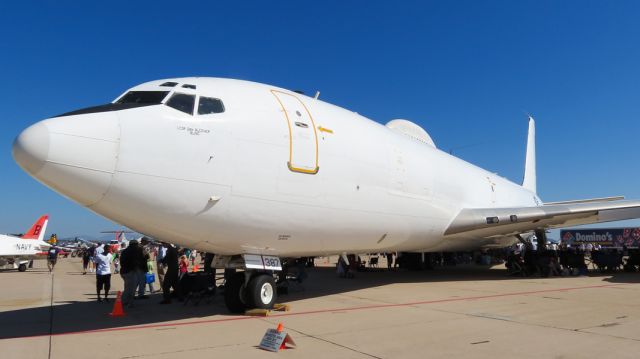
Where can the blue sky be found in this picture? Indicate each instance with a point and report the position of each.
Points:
(467, 71)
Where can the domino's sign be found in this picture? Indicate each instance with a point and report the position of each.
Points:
(609, 237)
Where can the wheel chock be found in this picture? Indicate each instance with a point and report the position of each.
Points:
(281, 307)
(257, 312)
(265, 312)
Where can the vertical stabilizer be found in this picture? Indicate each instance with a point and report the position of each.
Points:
(529, 181)
(37, 230)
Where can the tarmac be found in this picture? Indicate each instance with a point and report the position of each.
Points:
(469, 311)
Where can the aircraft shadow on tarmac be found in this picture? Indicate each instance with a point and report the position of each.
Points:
(81, 316)
(619, 277)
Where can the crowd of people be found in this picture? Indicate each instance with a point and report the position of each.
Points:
(527, 259)
(523, 259)
(353, 263)
(137, 263)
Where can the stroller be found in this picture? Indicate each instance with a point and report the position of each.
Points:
(197, 286)
(515, 265)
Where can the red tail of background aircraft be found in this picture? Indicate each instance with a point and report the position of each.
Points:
(37, 230)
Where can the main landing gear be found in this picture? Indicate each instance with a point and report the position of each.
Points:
(252, 287)
(22, 265)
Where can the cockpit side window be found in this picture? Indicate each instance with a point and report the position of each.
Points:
(182, 102)
(209, 105)
(143, 97)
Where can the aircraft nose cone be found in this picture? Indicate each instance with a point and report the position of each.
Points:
(31, 148)
(74, 155)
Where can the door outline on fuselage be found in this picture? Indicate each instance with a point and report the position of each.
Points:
(294, 166)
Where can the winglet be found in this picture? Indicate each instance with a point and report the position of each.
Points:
(529, 181)
(37, 230)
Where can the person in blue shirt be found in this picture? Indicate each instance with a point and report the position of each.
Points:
(52, 257)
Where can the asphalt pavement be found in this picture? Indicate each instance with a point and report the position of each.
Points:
(468, 311)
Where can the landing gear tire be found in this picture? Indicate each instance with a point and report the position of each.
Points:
(234, 293)
(261, 291)
(22, 267)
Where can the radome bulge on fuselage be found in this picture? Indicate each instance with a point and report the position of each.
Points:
(231, 167)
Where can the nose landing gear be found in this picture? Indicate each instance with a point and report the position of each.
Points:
(253, 288)
(261, 291)
(247, 290)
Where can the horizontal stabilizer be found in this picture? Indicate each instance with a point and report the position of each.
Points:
(493, 222)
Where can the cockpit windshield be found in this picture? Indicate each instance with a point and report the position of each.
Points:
(182, 102)
(143, 97)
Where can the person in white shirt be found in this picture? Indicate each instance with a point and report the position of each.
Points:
(193, 256)
(100, 248)
(103, 261)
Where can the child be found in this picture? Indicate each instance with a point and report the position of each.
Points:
(183, 266)
(150, 273)
(116, 262)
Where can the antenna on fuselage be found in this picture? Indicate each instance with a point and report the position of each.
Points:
(317, 95)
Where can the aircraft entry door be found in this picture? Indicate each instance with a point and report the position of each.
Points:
(303, 138)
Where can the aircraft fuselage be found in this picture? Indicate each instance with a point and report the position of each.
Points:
(275, 173)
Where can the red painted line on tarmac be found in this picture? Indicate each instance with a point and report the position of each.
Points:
(320, 311)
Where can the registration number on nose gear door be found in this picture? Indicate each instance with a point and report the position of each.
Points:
(256, 261)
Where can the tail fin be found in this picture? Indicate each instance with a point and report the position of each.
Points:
(38, 229)
(529, 181)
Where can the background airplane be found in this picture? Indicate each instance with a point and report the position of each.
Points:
(19, 251)
(253, 172)
(119, 239)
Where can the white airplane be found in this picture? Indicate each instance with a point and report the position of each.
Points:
(254, 172)
(20, 251)
(119, 239)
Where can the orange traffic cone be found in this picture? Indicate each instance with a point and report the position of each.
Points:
(280, 329)
(117, 307)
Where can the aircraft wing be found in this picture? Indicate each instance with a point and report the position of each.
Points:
(499, 222)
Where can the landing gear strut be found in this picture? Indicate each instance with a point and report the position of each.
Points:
(541, 236)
